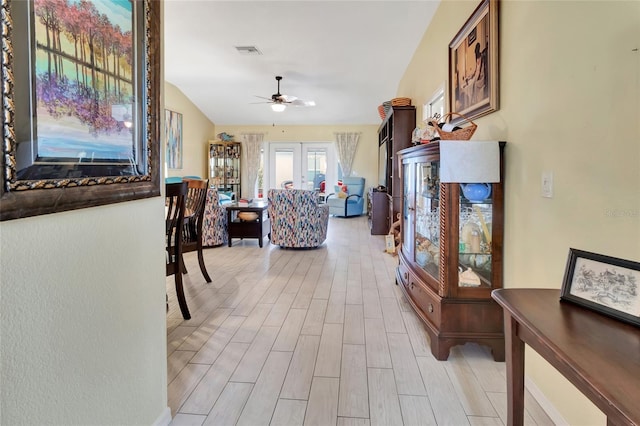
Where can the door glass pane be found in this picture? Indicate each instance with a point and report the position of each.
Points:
(428, 218)
(284, 168)
(261, 177)
(407, 206)
(475, 240)
(316, 167)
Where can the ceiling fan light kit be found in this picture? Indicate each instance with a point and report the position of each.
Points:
(278, 107)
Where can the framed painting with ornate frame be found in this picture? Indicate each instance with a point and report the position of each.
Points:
(473, 64)
(80, 107)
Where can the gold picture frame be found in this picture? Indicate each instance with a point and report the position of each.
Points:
(51, 93)
(473, 88)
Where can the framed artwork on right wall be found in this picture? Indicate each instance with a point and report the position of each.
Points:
(473, 64)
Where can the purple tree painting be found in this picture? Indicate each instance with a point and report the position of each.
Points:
(84, 80)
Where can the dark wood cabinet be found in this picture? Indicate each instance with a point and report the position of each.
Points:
(378, 212)
(395, 133)
(450, 256)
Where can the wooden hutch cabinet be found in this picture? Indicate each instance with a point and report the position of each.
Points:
(394, 134)
(451, 254)
(224, 166)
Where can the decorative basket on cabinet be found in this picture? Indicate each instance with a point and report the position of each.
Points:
(462, 134)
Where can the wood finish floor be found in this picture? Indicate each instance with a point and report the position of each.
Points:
(318, 337)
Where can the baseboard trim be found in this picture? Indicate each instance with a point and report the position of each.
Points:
(546, 405)
(164, 419)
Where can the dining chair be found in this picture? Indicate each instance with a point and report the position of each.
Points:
(192, 232)
(176, 194)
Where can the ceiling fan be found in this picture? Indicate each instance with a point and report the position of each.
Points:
(279, 101)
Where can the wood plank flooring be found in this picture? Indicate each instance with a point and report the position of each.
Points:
(318, 337)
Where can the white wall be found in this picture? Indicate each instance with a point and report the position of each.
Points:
(569, 103)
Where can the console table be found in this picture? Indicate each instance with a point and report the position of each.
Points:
(598, 354)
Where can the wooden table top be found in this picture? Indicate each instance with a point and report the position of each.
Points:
(256, 206)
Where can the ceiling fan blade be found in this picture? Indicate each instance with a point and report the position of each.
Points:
(280, 99)
(303, 103)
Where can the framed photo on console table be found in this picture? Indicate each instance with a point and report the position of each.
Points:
(602, 283)
(80, 107)
(473, 64)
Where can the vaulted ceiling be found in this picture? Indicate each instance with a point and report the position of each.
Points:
(347, 56)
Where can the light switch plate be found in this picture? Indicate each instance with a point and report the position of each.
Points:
(547, 184)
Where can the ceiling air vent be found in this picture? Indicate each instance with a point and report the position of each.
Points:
(248, 50)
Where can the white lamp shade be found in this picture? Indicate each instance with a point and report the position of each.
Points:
(469, 161)
(278, 107)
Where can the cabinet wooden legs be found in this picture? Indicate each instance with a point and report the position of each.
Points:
(441, 346)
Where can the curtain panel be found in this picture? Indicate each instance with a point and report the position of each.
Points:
(346, 144)
(253, 145)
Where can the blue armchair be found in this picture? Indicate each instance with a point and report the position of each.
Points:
(353, 203)
(297, 219)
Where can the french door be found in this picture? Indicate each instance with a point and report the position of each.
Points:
(302, 165)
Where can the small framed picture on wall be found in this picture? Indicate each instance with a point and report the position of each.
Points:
(173, 137)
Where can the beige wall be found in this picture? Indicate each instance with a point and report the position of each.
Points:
(365, 163)
(83, 318)
(196, 130)
(569, 103)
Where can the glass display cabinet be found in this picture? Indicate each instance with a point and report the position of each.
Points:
(224, 166)
(451, 253)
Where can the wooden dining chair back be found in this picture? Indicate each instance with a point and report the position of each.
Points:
(176, 194)
(192, 233)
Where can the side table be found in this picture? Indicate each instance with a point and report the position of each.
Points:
(238, 228)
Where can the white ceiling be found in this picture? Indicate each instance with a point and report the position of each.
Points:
(347, 56)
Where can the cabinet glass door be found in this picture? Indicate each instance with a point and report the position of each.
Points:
(408, 209)
(232, 167)
(216, 165)
(427, 211)
(474, 246)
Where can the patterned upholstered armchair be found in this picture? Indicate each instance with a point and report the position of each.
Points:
(297, 220)
(214, 227)
(350, 205)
